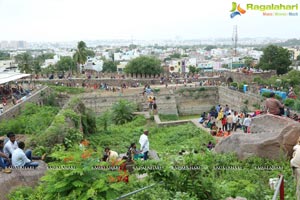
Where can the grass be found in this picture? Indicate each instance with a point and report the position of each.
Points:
(165, 118)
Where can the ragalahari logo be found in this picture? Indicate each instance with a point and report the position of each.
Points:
(236, 10)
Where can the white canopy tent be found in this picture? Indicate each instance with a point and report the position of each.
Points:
(6, 77)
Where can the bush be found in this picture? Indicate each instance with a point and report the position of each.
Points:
(289, 102)
(122, 112)
(234, 84)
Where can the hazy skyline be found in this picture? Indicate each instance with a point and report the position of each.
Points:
(66, 20)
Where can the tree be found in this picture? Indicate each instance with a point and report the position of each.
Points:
(4, 55)
(65, 63)
(80, 55)
(144, 65)
(122, 112)
(275, 58)
(210, 47)
(25, 62)
(248, 61)
(298, 57)
(109, 66)
(90, 53)
(192, 69)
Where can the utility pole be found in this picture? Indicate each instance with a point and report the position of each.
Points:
(234, 42)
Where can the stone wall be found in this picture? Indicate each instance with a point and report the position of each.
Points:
(240, 77)
(193, 101)
(34, 98)
(236, 100)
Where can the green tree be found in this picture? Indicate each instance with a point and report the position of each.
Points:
(248, 61)
(4, 55)
(109, 66)
(144, 65)
(210, 47)
(80, 55)
(25, 62)
(122, 112)
(65, 63)
(192, 69)
(90, 53)
(275, 58)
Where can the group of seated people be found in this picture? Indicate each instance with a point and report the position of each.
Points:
(12, 154)
(131, 155)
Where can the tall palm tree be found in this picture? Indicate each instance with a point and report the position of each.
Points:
(80, 55)
(25, 62)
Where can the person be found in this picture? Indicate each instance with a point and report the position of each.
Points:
(297, 145)
(273, 106)
(10, 145)
(235, 120)
(224, 123)
(210, 145)
(229, 121)
(110, 154)
(246, 123)
(154, 106)
(144, 142)
(4, 159)
(133, 153)
(19, 159)
(220, 133)
(295, 164)
(1, 109)
(288, 112)
(227, 133)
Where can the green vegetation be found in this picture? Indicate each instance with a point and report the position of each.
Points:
(144, 65)
(164, 118)
(33, 120)
(4, 55)
(275, 58)
(213, 176)
(69, 90)
(109, 66)
(80, 55)
(122, 112)
(66, 63)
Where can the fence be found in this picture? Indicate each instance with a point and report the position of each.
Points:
(279, 188)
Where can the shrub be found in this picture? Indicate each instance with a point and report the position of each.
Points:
(234, 84)
(122, 112)
(289, 102)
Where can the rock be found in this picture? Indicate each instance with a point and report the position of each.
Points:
(21, 177)
(271, 137)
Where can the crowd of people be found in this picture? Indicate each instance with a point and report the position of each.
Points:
(223, 121)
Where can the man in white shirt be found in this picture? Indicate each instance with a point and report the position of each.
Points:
(10, 145)
(235, 120)
(247, 123)
(19, 159)
(295, 163)
(144, 142)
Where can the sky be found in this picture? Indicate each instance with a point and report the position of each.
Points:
(67, 20)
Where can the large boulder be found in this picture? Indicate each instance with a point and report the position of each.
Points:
(271, 137)
(21, 177)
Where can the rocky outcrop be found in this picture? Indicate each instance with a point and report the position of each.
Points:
(20, 177)
(271, 137)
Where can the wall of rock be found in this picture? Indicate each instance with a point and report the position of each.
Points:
(237, 100)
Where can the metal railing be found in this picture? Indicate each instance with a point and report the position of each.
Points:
(139, 190)
(279, 189)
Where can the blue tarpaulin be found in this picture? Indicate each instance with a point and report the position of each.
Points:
(283, 95)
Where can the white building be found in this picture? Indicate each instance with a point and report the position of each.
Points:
(95, 64)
